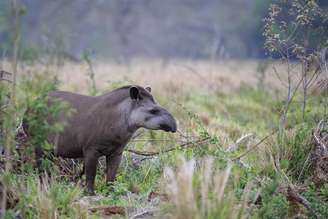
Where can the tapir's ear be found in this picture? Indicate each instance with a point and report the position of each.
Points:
(134, 93)
(148, 88)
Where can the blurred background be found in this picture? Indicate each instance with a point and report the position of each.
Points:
(114, 38)
(125, 29)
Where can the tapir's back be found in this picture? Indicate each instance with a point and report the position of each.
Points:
(79, 102)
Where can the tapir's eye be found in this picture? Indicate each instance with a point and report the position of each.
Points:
(154, 111)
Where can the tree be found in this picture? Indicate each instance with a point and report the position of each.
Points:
(298, 30)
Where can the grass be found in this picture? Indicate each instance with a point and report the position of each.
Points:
(219, 100)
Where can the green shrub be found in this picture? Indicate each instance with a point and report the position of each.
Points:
(273, 204)
(46, 198)
(38, 111)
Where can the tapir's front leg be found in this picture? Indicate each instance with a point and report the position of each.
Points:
(90, 163)
(112, 163)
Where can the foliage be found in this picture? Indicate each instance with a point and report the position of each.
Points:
(137, 179)
(37, 89)
(46, 198)
(4, 93)
(296, 29)
(36, 122)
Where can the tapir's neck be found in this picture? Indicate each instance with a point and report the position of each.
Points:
(114, 120)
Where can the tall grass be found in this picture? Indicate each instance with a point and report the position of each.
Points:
(46, 198)
(203, 192)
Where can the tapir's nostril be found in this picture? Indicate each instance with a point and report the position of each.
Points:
(174, 128)
(165, 127)
(167, 123)
(168, 128)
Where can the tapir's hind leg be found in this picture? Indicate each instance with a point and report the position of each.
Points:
(39, 154)
(112, 163)
(90, 163)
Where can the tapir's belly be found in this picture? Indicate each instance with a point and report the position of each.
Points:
(68, 148)
(68, 151)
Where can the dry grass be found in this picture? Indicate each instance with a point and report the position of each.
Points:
(46, 198)
(223, 76)
(196, 188)
(209, 198)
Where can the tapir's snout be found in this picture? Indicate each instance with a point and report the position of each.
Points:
(169, 124)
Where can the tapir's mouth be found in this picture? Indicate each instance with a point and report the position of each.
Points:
(167, 128)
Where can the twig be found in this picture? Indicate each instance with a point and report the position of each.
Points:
(318, 139)
(313, 78)
(144, 212)
(291, 95)
(235, 145)
(279, 78)
(183, 134)
(137, 135)
(253, 147)
(291, 192)
(323, 62)
(304, 166)
(152, 140)
(155, 153)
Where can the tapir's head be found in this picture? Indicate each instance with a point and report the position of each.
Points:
(146, 113)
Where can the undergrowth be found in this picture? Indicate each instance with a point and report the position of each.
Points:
(203, 181)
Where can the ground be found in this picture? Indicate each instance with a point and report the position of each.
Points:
(232, 161)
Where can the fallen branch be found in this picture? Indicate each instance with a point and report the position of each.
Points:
(295, 197)
(292, 194)
(144, 213)
(253, 147)
(109, 210)
(155, 153)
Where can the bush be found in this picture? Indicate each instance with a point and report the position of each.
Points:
(37, 117)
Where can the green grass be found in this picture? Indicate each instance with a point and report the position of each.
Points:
(253, 183)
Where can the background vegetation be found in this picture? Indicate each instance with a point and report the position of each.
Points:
(124, 29)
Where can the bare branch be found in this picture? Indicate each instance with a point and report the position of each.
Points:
(253, 147)
(278, 76)
(183, 146)
(317, 137)
(235, 145)
(293, 195)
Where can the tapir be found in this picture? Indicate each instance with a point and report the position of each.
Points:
(103, 125)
